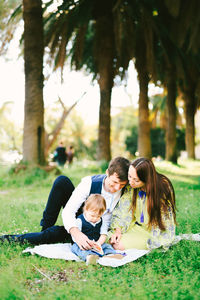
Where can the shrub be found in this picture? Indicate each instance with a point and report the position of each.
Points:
(157, 136)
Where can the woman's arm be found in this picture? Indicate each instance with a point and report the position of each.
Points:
(122, 216)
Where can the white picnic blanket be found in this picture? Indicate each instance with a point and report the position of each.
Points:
(63, 251)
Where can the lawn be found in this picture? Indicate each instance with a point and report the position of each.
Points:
(174, 274)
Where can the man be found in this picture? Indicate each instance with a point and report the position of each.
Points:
(63, 194)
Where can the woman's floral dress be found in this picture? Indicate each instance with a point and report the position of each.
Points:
(135, 231)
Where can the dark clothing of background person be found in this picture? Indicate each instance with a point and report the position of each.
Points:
(70, 154)
(60, 155)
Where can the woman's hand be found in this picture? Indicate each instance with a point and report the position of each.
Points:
(116, 237)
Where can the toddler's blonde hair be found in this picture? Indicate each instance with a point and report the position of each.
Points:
(95, 202)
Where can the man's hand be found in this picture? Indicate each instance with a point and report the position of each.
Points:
(116, 237)
(81, 239)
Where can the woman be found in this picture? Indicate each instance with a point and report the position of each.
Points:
(145, 216)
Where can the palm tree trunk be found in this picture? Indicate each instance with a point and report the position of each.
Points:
(33, 139)
(104, 151)
(104, 55)
(144, 142)
(171, 146)
(190, 126)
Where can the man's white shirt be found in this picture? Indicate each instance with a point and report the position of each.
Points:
(79, 195)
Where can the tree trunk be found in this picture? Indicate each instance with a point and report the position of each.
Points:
(58, 127)
(33, 139)
(144, 141)
(104, 151)
(154, 118)
(171, 146)
(190, 126)
(104, 55)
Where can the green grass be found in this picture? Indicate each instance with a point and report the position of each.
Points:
(160, 275)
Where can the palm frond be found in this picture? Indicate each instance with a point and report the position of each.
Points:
(148, 31)
(16, 13)
(78, 46)
(68, 21)
(61, 54)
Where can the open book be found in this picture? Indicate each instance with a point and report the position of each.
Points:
(97, 249)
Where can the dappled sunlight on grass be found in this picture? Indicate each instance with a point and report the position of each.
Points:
(184, 167)
(186, 179)
(186, 171)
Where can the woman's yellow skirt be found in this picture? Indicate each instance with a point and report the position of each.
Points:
(136, 237)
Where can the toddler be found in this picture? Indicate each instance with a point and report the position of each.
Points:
(91, 224)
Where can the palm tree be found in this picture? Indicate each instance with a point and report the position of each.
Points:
(105, 35)
(144, 143)
(171, 143)
(136, 28)
(188, 67)
(166, 54)
(90, 27)
(188, 86)
(33, 140)
(104, 57)
(185, 22)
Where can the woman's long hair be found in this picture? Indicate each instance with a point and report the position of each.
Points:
(159, 191)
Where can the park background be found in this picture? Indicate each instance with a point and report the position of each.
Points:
(149, 108)
(121, 96)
